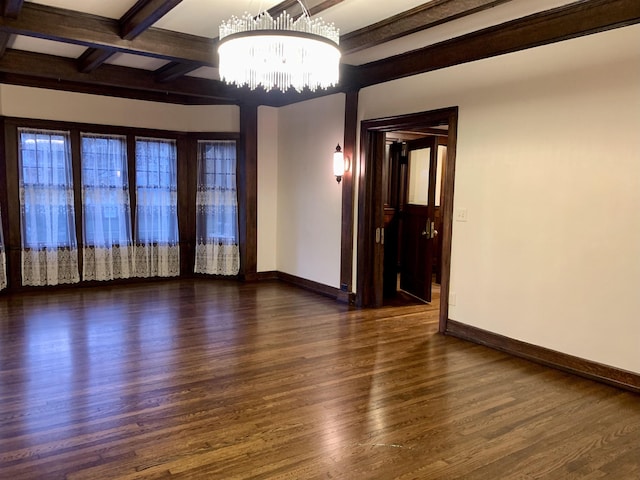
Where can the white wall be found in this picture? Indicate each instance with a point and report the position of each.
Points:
(28, 102)
(309, 198)
(548, 166)
(267, 189)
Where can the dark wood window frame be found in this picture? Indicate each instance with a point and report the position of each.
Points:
(186, 150)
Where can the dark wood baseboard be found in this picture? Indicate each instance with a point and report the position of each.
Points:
(270, 275)
(346, 297)
(562, 361)
(310, 285)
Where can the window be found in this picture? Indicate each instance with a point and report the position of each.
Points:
(134, 202)
(156, 191)
(105, 190)
(49, 249)
(47, 181)
(106, 207)
(217, 250)
(157, 249)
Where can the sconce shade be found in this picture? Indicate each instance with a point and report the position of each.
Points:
(338, 163)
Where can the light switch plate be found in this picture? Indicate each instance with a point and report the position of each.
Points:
(461, 214)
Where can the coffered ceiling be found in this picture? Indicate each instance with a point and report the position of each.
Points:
(165, 50)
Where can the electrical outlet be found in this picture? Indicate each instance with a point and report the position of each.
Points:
(452, 298)
(461, 215)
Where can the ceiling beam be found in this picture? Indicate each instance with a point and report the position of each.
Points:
(92, 58)
(109, 91)
(99, 32)
(37, 65)
(59, 73)
(322, 6)
(138, 19)
(282, 6)
(412, 21)
(174, 70)
(563, 23)
(11, 8)
(144, 14)
(293, 7)
(4, 41)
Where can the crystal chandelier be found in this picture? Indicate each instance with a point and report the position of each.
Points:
(279, 52)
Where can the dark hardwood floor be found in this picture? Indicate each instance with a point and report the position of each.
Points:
(198, 379)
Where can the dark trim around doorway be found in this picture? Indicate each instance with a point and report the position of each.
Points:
(369, 211)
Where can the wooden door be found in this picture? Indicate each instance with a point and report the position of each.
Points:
(371, 229)
(378, 149)
(419, 219)
(393, 206)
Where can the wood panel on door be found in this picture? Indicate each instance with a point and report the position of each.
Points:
(419, 219)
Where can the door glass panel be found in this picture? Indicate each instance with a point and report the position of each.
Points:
(419, 176)
(386, 185)
(442, 156)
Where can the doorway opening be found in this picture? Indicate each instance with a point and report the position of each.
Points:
(412, 195)
(405, 207)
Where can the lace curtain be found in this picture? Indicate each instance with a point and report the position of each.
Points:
(49, 247)
(217, 250)
(3, 260)
(108, 249)
(157, 252)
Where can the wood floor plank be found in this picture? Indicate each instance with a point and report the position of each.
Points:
(202, 379)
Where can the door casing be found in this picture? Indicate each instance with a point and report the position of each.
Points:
(369, 270)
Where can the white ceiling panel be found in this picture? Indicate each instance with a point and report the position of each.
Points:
(203, 17)
(356, 14)
(103, 8)
(484, 19)
(136, 61)
(38, 45)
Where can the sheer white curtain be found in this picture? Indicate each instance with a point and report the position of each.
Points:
(49, 247)
(217, 250)
(157, 252)
(108, 249)
(3, 259)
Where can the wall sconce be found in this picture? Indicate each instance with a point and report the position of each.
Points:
(339, 164)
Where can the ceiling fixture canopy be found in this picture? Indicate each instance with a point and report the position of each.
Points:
(280, 52)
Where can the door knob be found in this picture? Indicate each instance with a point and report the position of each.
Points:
(429, 230)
